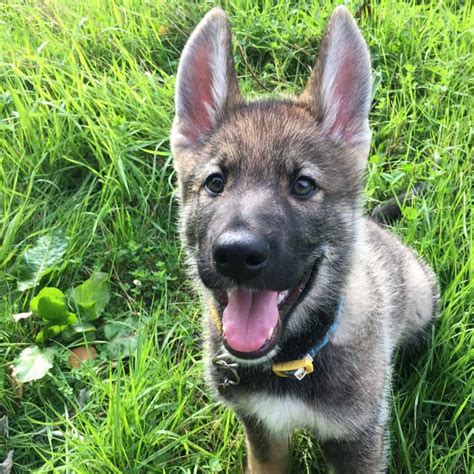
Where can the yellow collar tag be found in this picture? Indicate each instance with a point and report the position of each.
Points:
(294, 368)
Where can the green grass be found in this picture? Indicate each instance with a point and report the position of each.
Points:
(86, 103)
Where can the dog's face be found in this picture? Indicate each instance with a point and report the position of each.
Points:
(269, 189)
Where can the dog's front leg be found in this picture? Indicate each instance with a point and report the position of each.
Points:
(265, 453)
(365, 454)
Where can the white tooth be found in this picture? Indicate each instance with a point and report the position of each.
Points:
(282, 296)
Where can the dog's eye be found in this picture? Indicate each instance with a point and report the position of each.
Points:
(215, 184)
(303, 187)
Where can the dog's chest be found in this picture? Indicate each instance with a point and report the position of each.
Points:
(281, 415)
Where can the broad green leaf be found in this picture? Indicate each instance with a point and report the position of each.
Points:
(81, 330)
(50, 305)
(33, 363)
(123, 345)
(92, 296)
(117, 328)
(51, 330)
(122, 337)
(113, 328)
(39, 260)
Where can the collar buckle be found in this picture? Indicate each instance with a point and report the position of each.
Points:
(300, 374)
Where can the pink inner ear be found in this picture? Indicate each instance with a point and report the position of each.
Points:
(343, 101)
(199, 92)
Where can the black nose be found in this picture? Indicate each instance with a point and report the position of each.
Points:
(240, 254)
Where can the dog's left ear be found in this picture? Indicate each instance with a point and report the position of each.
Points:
(339, 89)
(206, 84)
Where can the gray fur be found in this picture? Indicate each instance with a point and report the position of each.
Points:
(389, 295)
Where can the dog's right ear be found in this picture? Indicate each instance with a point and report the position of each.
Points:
(206, 84)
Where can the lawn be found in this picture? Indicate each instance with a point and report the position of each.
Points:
(86, 104)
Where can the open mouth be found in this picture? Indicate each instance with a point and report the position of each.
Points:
(252, 319)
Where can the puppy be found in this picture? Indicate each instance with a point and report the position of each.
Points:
(305, 298)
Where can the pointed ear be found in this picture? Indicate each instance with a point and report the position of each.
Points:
(339, 89)
(206, 83)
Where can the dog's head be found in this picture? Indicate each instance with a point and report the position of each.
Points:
(269, 190)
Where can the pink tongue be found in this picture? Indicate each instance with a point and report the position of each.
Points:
(249, 319)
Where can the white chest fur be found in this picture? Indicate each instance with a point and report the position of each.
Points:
(282, 415)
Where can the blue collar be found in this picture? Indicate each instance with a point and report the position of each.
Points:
(298, 369)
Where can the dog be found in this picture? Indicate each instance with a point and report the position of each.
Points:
(305, 299)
